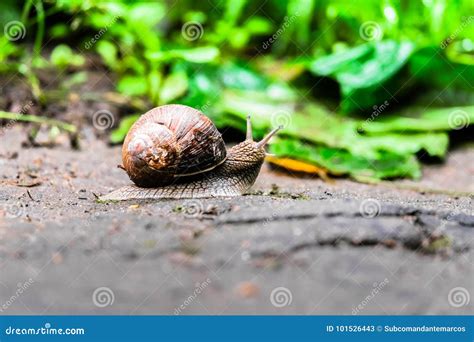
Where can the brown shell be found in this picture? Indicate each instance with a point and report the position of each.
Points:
(171, 141)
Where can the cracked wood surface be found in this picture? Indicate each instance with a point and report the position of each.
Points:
(316, 239)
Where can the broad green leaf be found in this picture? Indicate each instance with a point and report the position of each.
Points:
(237, 77)
(366, 73)
(314, 123)
(133, 63)
(204, 89)
(342, 162)
(133, 85)
(207, 82)
(435, 144)
(108, 52)
(174, 86)
(431, 67)
(422, 119)
(332, 64)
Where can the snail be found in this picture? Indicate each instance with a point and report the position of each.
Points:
(175, 151)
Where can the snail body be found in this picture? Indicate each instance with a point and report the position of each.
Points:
(175, 151)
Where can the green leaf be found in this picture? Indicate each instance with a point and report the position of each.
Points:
(63, 56)
(132, 85)
(103, 20)
(8, 49)
(239, 38)
(59, 31)
(431, 67)
(198, 55)
(366, 73)
(258, 25)
(204, 89)
(118, 134)
(154, 80)
(435, 144)
(75, 79)
(314, 123)
(204, 54)
(461, 52)
(332, 64)
(174, 86)
(236, 76)
(343, 162)
(207, 82)
(147, 14)
(108, 52)
(422, 119)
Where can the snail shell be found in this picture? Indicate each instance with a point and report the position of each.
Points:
(175, 151)
(171, 141)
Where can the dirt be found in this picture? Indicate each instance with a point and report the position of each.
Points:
(293, 246)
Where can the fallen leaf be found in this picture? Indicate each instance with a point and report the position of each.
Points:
(298, 166)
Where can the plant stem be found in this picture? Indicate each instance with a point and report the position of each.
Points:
(40, 30)
(38, 119)
(26, 11)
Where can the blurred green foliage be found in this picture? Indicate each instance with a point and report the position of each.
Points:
(343, 77)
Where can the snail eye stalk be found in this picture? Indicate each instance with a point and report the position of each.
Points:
(249, 129)
(265, 140)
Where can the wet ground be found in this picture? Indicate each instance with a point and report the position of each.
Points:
(294, 246)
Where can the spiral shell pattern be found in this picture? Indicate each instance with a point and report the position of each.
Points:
(171, 141)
